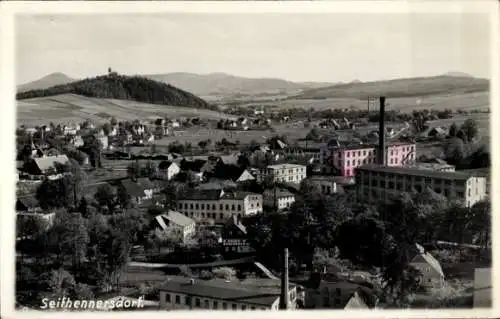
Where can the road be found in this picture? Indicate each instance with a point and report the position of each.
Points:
(220, 263)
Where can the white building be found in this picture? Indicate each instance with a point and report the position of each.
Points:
(177, 225)
(208, 205)
(281, 198)
(429, 267)
(167, 170)
(289, 173)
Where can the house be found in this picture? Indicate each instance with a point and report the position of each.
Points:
(482, 288)
(291, 173)
(378, 182)
(103, 141)
(181, 293)
(181, 227)
(208, 206)
(234, 237)
(432, 273)
(167, 170)
(137, 193)
(45, 165)
(327, 184)
(149, 187)
(330, 292)
(77, 141)
(279, 198)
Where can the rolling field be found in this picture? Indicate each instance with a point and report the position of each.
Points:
(70, 108)
(459, 101)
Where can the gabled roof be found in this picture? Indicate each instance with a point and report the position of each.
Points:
(45, 163)
(165, 164)
(233, 221)
(356, 302)
(145, 183)
(173, 217)
(133, 189)
(28, 201)
(424, 256)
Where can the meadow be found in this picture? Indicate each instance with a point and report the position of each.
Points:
(71, 108)
(455, 101)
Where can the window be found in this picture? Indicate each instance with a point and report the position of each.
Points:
(221, 216)
(167, 297)
(216, 305)
(213, 206)
(348, 163)
(187, 300)
(227, 206)
(253, 308)
(197, 206)
(233, 207)
(239, 208)
(191, 206)
(224, 305)
(207, 304)
(234, 306)
(202, 206)
(177, 299)
(198, 303)
(243, 307)
(214, 216)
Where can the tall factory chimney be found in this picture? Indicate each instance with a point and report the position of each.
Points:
(381, 133)
(284, 300)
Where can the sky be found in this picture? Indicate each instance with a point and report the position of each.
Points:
(329, 47)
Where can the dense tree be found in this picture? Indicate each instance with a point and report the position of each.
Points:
(55, 193)
(453, 131)
(470, 129)
(454, 151)
(124, 87)
(105, 196)
(57, 283)
(313, 135)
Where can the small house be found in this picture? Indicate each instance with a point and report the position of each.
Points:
(429, 267)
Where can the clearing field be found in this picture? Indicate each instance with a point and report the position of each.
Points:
(458, 101)
(70, 108)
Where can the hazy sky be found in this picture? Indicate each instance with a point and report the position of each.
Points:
(299, 47)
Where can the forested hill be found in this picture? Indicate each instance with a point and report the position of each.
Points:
(122, 87)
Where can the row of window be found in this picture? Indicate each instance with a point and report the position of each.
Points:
(207, 304)
(409, 188)
(206, 215)
(393, 151)
(207, 206)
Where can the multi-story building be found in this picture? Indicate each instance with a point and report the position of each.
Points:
(280, 199)
(347, 158)
(209, 205)
(375, 182)
(180, 293)
(286, 173)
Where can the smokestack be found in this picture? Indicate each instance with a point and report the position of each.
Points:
(284, 282)
(381, 133)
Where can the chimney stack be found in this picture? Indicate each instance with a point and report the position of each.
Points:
(381, 133)
(284, 300)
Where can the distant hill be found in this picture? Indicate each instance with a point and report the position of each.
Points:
(46, 82)
(226, 84)
(458, 74)
(410, 87)
(121, 87)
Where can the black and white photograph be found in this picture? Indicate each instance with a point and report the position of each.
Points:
(253, 160)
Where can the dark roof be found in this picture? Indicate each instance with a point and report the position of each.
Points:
(201, 194)
(217, 184)
(164, 164)
(414, 172)
(233, 291)
(132, 188)
(237, 195)
(145, 183)
(233, 221)
(28, 201)
(231, 172)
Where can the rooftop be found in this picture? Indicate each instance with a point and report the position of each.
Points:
(430, 166)
(260, 292)
(279, 193)
(415, 172)
(174, 217)
(285, 166)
